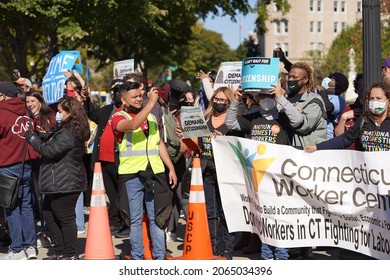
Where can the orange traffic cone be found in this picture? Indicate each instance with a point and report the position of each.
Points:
(145, 239)
(197, 242)
(99, 241)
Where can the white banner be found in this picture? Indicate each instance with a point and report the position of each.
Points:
(295, 199)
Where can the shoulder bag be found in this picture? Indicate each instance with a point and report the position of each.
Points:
(9, 186)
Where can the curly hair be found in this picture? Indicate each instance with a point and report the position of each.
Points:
(229, 95)
(367, 94)
(309, 73)
(78, 120)
(45, 112)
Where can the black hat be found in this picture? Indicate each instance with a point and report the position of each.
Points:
(179, 87)
(342, 82)
(8, 89)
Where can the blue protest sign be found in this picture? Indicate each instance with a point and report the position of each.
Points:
(54, 81)
(78, 66)
(258, 74)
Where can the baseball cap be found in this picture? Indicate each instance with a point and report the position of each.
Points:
(386, 62)
(24, 81)
(8, 89)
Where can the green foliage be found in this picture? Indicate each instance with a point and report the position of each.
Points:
(205, 51)
(262, 12)
(156, 33)
(337, 58)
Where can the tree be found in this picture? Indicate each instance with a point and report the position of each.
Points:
(262, 12)
(352, 37)
(205, 51)
(150, 31)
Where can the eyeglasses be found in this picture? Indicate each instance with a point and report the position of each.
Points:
(220, 100)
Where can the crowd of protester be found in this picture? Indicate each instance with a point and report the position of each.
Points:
(145, 162)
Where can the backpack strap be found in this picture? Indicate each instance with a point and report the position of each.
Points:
(319, 103)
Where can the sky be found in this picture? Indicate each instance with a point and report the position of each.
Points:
(230, 30)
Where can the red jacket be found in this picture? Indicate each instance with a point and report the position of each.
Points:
(14, 122)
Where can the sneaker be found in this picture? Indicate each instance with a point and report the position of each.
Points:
(54, 257)
(15, 256)
(43, 241)
(80, 232)
(72, 258)
(171, 237)
(31, 253)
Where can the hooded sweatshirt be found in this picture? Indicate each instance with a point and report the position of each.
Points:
(14, 122)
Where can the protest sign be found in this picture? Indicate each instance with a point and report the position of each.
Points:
(78, 65)
(54, 81)
(297, 199)
(229, 73)
(123, 67)
(192, 122)
(258, 74)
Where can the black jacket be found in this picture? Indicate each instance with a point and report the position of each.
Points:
(61, 168)
(100, 116)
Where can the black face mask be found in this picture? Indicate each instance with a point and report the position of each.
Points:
(132, 109)
(293, 86)
(220, 107)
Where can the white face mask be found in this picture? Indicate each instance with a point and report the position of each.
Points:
(377, 107)
(325, 83)
(59, 117)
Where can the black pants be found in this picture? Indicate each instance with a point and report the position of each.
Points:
(60, 215)
(110, 180)
(178, 201)
(88, 168)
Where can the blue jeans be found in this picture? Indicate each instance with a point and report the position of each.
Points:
(80, 222)
(20, 218)
(270, 252)
(137, 197)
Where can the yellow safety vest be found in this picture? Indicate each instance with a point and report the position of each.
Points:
(136, 151)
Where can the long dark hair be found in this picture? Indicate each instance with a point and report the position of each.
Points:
(45, 115)
(78, 120)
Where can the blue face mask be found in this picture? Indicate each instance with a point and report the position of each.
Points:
(59, 117)
(325, 83)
